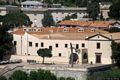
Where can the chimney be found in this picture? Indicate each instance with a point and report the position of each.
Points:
(48, 36)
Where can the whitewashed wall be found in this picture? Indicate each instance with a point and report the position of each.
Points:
(30, 52)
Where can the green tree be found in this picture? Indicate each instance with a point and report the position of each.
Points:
(3, 78)
(6, 45)
(70, 78)
(2, 3)
(47, 1)
(113, 29)
(93, 9)
(1, 17)
(116, 53)
(67, 17)
(40, 74)
(44, 53)
(48, 19)
(53, 77)
(18, 75)
(115, 10)
(81, 3)
(61, 78)
(73, 16)
(111, 73)
(16, 19)
(33, 75)
(21, 1)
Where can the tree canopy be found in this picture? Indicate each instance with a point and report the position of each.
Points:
(18, 75)
(116, 53)
(16, 19)
(5, 42)
(113, 29)
(40, 74)
(105, 75)
(93, 9)
(115, 10)
(73, 3)
(44, 53)
(3, 78)
(48, 19)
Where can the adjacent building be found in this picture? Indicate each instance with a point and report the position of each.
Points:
(83, 24)
(8, 9)
(35, 10)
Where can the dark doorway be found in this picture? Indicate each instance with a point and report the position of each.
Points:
(84, 58)
(98, 58)
(50, 47)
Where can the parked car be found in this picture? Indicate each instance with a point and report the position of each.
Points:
(4, 62)
(11, 61)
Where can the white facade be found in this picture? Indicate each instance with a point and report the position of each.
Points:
(104, 8)
(96, 47)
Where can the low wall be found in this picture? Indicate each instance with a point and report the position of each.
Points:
(78, 74)
(56, 60)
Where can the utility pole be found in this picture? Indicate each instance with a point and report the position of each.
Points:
(71, 55)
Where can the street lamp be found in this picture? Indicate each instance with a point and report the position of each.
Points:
(71, 54)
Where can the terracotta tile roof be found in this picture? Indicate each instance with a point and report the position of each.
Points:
(58, 33)
(97, 24)
(49, 30)
(73, 34)
(114, 36)
(19, 32)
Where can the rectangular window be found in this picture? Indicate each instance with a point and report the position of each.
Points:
(40, 30)
(42, 44)
(15, 43)
(30, 30)
(77, 46)
(30, 44)
(36, 44)
(98, 45)
(24, 29)
(98, 57)
(66, 30)
(56, 45)
(66, 45)
(83, 45)
(50, 47)
(60, 55)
